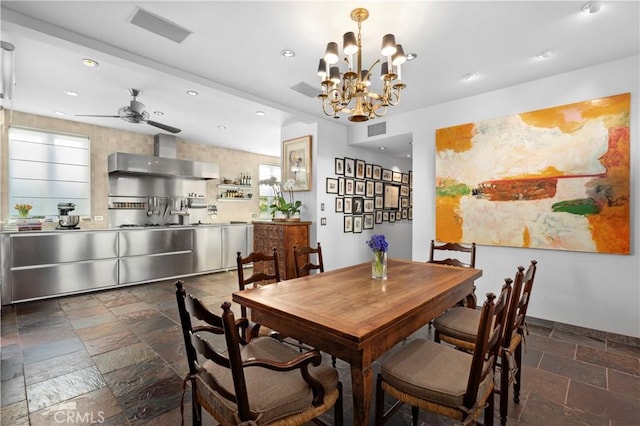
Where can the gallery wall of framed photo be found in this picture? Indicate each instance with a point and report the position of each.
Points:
(368, 194)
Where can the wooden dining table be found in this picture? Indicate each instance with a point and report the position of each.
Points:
(348, 314)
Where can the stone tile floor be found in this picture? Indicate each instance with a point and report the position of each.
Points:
(116, 357)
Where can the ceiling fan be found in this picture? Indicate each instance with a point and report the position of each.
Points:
(135, 113)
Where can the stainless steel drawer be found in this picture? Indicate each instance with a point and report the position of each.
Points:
(160, 266)
(145, 241)
(55, 280)
(69, 246)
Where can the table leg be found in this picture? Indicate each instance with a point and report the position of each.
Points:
(361, 387)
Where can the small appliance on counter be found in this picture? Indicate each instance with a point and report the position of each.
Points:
(66, 221)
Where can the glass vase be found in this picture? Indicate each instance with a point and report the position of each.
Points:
(379, 265)
(23, 213)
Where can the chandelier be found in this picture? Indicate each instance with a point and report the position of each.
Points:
(351, 92)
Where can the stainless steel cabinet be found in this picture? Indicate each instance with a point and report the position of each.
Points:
(234, 239)
(147, 255)
(207, 248)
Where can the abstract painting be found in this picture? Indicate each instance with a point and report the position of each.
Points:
(556, 178)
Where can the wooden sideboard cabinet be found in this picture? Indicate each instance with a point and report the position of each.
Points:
(283, 236)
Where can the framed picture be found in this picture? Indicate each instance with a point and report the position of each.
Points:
(348, 205)
(348, 186)
(360, 188)
(404, 202)
(296, 162)
(339, 205)
(378, 188)
(405, 213)
(339, 166)
(385, 216)
(404, 191)
(368, 221)
(410, 213)
(348, 224)
(378, 202)
(405, 179)
(377, 172)
(349, 167)
(391, 196)
(368, 171)
(357, 224)
(340, 186)
(378, 216)
(360, 169)
(410, 179)
(398, 215)
(397, 177)
(332, 186)
(392, 217)
(368, 205)
(387, 175)
(369, 189)
(358, 205)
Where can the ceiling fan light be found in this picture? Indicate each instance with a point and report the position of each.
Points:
(388, 45)
(331, 55)
(350, 46)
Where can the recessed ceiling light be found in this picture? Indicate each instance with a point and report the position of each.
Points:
(592, 7)
(158, 113)
(382, 148)
(221, 127)
(545, 54)
(471, 76)
(408, 155)
(192, 93)
(58, 113)
(411, 56)
(259, 112)
(288, 53)
(90, 63)
(70, 93)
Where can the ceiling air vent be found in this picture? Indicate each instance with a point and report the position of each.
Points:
(160, 26)
(306, 89)
(377, 129)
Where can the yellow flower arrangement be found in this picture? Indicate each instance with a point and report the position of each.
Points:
(23, 209)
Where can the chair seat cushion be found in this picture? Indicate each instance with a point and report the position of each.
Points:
(430, 371)
(272, 394)
(459, 322)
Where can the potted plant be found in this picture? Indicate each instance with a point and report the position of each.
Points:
(280, 206)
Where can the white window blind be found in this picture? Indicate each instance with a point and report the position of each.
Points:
(48, 168)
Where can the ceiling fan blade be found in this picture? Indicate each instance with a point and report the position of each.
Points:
(89, 115)
(163, 126)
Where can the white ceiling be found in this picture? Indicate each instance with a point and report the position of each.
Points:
(233, 59)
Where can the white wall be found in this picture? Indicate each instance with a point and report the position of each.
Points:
(339, 248)
(598, 291)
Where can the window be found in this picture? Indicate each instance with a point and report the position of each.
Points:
(266, 171)
(49, 168)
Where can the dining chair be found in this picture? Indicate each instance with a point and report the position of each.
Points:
(302, 260)
(445, 381)
(265, 271)
(466, 259)
(253, 381)
(457, 327)
(467, 253)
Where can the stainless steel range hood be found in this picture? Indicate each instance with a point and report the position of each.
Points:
(163, 163)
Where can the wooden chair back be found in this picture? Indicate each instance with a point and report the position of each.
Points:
(469, 252)
(488, 341)
(302, 260)
(195, 345)
(265, 271)
(520, 310)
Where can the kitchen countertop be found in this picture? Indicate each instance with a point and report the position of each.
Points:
(127, 228)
